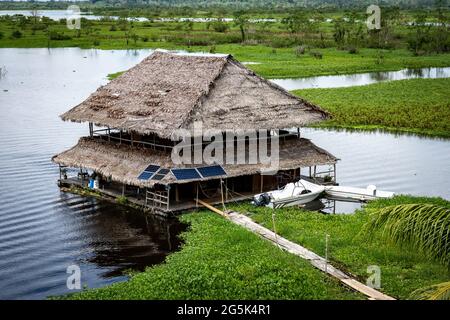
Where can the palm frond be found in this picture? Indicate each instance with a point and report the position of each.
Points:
(440, 291)
(425, 227)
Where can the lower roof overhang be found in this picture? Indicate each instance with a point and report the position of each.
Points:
(124, 163)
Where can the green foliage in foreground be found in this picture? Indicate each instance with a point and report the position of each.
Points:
(220, 260)
(439, 291)
(422, 227)
(418, 106)
(402, 271)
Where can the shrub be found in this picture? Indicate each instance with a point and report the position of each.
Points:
(144, 38)
(54, 35)
(122, 200)
(220, 26)
(299, 50)
(352, 50)
(1, 35)
(16, 34)
(316, 54)
(96, 42)
(113, 28)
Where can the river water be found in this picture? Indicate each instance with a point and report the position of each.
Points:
(43, 231)
(361, 79)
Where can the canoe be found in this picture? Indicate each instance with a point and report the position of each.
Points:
(359, 194)
(292, 194)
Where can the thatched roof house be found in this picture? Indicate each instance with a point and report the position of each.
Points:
(167, 92)
(145, 109)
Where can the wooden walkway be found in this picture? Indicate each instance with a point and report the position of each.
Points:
(291, 247)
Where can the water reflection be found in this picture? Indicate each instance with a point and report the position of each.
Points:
(361, 79)
(120, 238)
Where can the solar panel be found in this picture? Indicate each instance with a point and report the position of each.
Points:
(212, 171)
(148, 172)
(185, 174)
(152, 168)
(145, 175)
(160, 174)
(163, 171)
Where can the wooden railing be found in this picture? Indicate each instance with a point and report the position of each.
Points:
(157, 199)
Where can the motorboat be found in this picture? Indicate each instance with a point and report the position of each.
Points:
(292, 194)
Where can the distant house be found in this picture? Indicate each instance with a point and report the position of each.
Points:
(137, 119)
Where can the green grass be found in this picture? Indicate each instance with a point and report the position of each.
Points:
(420, 106)
(221, 260)
(402, 270)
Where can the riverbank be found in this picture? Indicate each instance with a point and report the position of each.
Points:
(418, 106)
(402, 270)
(220, 260)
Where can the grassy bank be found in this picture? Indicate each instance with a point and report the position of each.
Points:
(220, 260)
(419, 106)
(402, 269)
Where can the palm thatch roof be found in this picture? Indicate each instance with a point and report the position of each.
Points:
(124, 163)
(166, 92)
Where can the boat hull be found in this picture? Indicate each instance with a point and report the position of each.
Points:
(294, 201)
(356, 194)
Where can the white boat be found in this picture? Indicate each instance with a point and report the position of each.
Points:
(292, 194)
(359, 194)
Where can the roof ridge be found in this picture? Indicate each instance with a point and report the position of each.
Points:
(227, 59)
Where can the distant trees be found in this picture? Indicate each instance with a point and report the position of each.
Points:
(241, 21)
(427, 37)
(219, 26)
(349, 33)
(300, 22)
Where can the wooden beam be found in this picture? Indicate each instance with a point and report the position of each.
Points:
(210, 207)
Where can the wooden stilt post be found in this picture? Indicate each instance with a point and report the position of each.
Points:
(177, 196)
(221, 193)
(262, 182)
(168, 196)
(91, 129)
(226, 190)
(196, 201)
(334, 168)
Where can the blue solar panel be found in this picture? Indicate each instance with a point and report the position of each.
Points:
(152, 168)
(163, 171)
(158, 176)
(145, 175)
(185, 174)
(212, 171)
